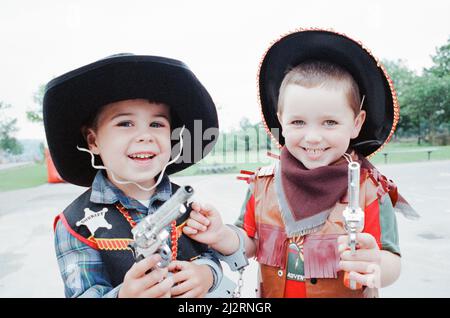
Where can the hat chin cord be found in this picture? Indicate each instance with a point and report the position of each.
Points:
(98, 167)
(348, 157)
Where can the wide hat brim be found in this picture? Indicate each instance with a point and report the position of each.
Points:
(374, 83)
(72, 99)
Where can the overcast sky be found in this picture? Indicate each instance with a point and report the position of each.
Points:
(221, 41)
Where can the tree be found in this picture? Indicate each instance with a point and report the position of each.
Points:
(424, 100)
(244, 123)
(428, 101)
(8, 127)
(35, 115)
(403, 78)
(400, 74)
(250, 133)
(441, 61)
(428, 98)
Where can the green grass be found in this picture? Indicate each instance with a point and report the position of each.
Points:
(23, 177)
(405, 153)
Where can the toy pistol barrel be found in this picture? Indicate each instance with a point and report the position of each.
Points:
(353, 185)
(148, 230)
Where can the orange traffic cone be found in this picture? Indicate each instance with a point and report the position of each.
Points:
(52, 174)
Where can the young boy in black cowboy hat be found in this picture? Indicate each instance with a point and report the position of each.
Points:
(333, 103)
(122, 110)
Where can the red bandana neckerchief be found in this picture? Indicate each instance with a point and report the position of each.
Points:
(309, 192)
(306, 196)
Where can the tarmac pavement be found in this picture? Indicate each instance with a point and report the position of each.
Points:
(28, 266)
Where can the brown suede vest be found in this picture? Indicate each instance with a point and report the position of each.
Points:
(272, 245)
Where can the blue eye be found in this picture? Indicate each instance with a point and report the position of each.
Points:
(330, 123)
(125, 124)
(156, 125)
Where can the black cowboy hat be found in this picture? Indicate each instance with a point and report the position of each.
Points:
(73, 99)
(374, 83)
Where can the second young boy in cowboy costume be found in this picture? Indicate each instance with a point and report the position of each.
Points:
(325, 101)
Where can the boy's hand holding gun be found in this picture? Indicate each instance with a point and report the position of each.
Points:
(360, 254)
(148, 277)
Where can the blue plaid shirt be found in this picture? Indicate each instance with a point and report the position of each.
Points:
(81, 266)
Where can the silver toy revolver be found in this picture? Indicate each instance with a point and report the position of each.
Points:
(353, 215)
(150, 234)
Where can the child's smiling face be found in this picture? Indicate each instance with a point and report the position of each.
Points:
(133, 139)
(318, 124)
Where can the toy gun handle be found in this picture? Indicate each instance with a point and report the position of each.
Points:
(150, 234)
(353, 215)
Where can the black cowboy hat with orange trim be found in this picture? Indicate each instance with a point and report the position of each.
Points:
(380, 102)
(73, 99)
